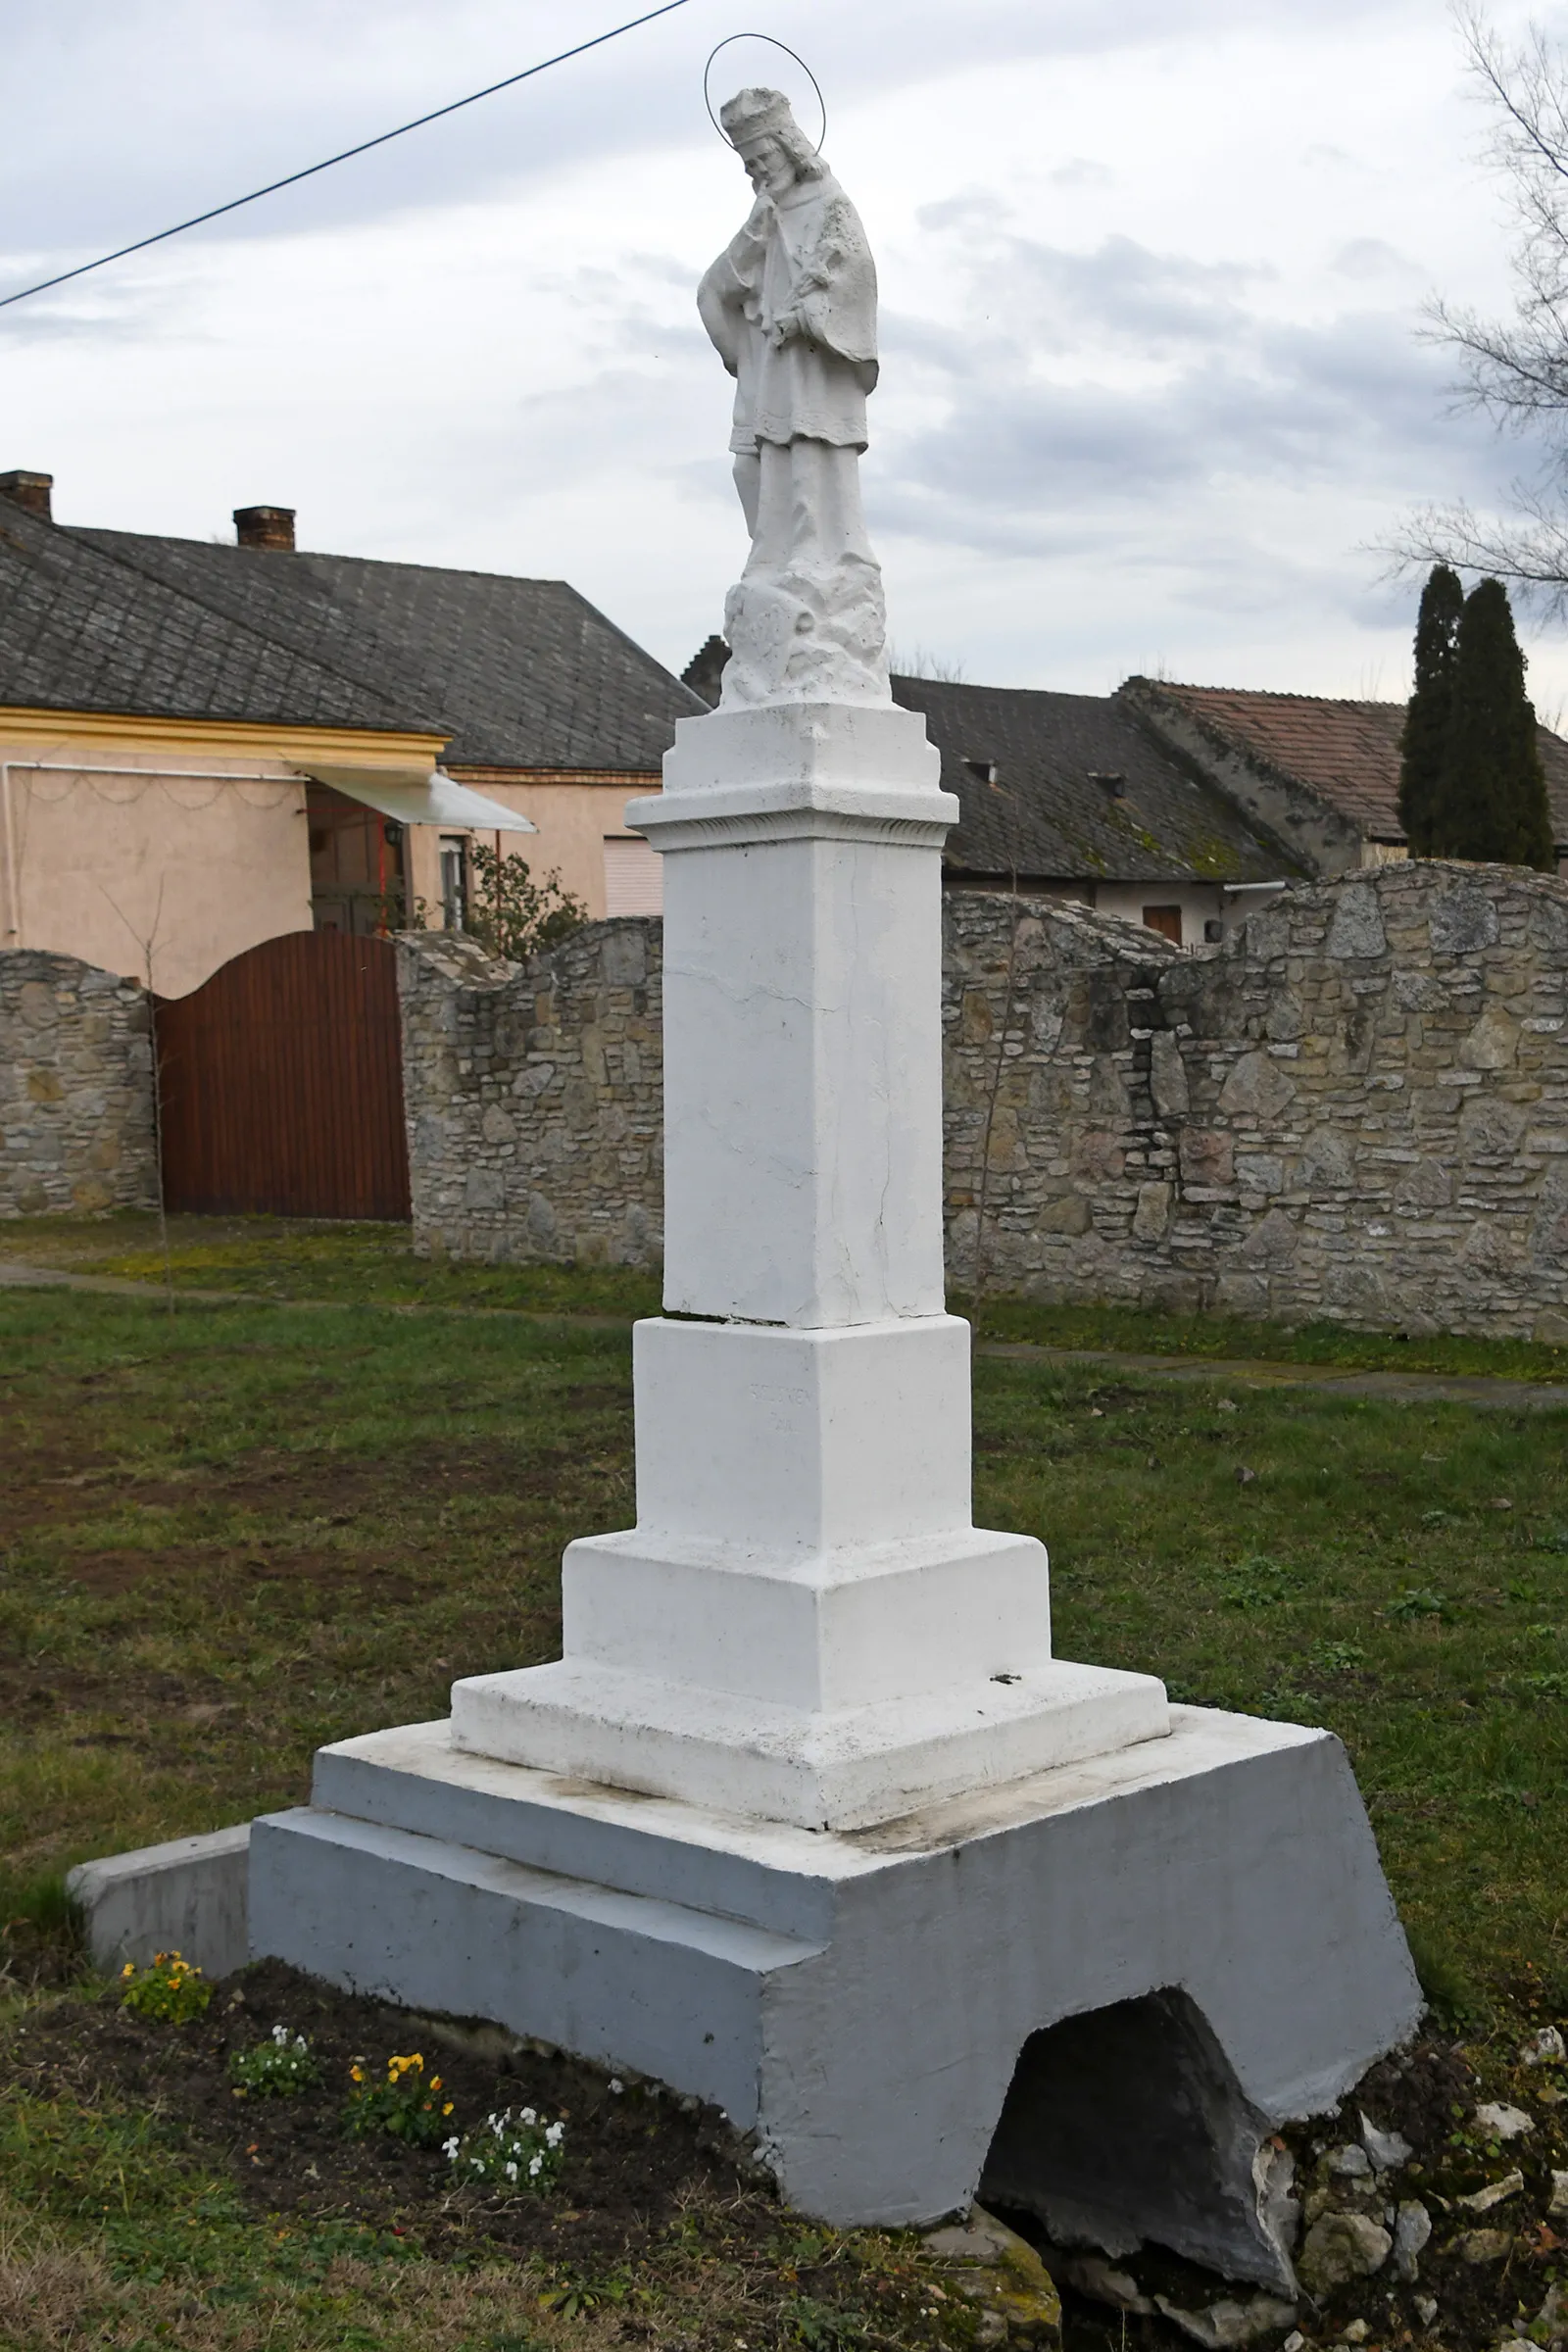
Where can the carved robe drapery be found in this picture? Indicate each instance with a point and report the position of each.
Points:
(803, 256)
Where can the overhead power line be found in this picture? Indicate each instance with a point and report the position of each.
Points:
(292, 178)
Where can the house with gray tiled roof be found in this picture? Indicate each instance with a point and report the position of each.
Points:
(219, 743)
(1072, 796)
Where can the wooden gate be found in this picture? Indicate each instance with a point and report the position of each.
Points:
(281, 1081)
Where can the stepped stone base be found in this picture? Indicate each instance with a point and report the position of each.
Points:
(1056, 1984)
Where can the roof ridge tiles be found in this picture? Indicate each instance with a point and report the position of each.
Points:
(1270, 694)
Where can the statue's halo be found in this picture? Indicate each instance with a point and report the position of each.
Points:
(728, 43)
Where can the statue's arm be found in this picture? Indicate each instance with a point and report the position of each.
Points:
(727, 287)
(719, 306)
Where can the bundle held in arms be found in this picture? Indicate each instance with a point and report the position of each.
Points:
(791, 307)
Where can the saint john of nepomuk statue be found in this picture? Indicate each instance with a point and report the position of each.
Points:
(791, 308)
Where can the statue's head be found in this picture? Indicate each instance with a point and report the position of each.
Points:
(769, 142)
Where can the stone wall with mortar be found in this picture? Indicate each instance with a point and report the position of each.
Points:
(75, 1088)
(1358, 1109)
(533, 1097)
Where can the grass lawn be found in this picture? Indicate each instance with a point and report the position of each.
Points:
(230, 1534)
(280, 1260)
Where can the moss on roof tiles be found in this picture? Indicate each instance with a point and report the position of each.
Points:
(1046, 816)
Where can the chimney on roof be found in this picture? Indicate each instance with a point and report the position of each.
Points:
(269, 528)
(29, 491)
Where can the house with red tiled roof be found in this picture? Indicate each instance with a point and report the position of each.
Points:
(1322, 775)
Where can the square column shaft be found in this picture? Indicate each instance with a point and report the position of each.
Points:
(803, 1041)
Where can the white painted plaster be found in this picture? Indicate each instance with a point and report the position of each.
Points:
(842, 1629)
(188, 1897)
(804, 1624)
(777, 1442)
(840, 1768)
(791, 308)
(801, 1015)
(860, 2001)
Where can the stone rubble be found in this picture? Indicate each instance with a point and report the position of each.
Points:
(1494, 2194)
(1227, 2323)
(1379, 2210)
(1341, 2246)
(1001, 2273)
(1501, 2122)
(1413, 2234)
(1386, 2149)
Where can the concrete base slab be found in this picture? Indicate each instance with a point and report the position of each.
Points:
(1092, 1992)
(188, 1896)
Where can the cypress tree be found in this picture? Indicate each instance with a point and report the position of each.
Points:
(1426, 720)
(1492, 790)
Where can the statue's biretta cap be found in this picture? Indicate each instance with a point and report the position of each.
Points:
(752, 114)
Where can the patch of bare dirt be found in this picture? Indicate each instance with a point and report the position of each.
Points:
(635, 2157)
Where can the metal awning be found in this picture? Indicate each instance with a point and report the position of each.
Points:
(423, 796)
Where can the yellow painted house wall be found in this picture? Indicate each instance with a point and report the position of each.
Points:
(163, 873)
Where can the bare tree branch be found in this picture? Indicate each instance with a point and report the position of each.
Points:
(1531, 553)
(1514, 369)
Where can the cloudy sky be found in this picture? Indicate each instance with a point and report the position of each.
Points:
(1152, 271)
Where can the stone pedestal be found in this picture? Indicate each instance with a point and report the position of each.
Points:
(804, 1624)
(1097, 1989)
(807, 1819)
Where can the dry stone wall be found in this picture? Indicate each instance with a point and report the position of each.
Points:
(75, 1088)
(1358, 1109)
(534, 1097)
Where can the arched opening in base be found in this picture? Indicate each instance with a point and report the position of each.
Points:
(1125, 2126)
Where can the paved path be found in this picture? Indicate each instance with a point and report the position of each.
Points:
(1243, 1372)
(1489, 1391)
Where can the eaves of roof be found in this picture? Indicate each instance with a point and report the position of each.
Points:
(521, 673)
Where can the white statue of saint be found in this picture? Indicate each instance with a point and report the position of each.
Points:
(791, 308)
